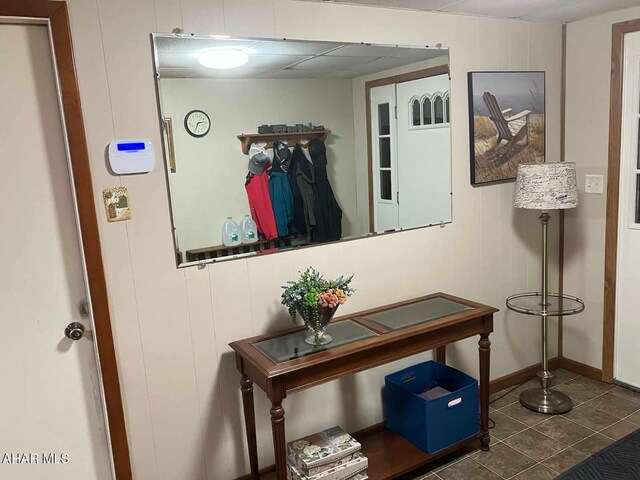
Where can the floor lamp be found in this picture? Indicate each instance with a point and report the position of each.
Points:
(545, 187)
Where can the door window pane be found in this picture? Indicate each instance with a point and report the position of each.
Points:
(438, 109)
(383, 119)
(385, 184)
(415, 113)
(637, 199)
(426, 111)
(447, 117)
(638, 152)
(385, 152)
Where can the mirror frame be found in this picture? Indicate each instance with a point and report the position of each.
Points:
(368, 85)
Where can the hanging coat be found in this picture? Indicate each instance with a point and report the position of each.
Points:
(281, 198)
(327, 212)
(306, 184)
(260, 205)
(298, 226)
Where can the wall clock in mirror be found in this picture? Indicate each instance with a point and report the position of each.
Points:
(197, 123)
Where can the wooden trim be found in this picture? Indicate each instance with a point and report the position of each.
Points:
(57, 15)
(581, 368)
(408, 77)
(380, 82)
(613, 193)
(367, 95)
(516, 378)
(292, 138)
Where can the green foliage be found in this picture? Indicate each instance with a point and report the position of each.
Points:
(305, 292)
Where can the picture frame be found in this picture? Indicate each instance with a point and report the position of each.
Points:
(507, 124)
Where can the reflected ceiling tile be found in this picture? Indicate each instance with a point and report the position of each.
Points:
(288, 47)
(364, 51)
(413, 55)
(292, 74)
(202, 72)
(190, 60)
(275, 62)
(173, 44)
(226, 74)
(327, 63)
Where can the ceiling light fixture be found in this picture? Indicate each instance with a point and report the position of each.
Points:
(223, 58)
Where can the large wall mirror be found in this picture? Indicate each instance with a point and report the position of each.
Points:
(281, 144)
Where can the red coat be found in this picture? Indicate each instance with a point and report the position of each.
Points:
(257, 187)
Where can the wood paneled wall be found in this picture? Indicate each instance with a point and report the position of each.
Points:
(172, 327)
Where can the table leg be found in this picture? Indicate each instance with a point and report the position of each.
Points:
(484, 346)
(279, 443)
(441, 354)
(246, 386)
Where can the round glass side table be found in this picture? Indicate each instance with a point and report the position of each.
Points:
(544, 399)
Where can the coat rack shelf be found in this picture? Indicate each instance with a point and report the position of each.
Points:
(291, 138)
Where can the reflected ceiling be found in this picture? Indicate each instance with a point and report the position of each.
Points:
(178, 58)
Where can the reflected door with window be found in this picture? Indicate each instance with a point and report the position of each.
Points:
(411, 153)
(384, 156)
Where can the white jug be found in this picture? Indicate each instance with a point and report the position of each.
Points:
(248, 230)
(230, 233)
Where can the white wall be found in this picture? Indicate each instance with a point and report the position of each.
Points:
(208, 185)
(172, 326)
(587, 143)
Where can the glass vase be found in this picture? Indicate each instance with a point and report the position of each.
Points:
(316, 320)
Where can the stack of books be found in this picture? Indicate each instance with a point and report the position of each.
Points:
(331, 454)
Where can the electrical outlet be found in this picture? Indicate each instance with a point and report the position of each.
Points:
(594, 184)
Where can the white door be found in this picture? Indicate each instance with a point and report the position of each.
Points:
(383, 149)
(424, 152)
(628, 271)
(52, 424)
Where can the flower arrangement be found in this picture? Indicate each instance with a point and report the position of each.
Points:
(312, 294)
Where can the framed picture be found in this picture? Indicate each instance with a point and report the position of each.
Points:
(506, 123)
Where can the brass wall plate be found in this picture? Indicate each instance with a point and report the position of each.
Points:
(117, 204)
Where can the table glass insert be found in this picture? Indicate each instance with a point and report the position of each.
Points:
(288, 347)
(416, 313)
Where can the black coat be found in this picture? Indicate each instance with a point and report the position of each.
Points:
(298, 225)
(328, 213)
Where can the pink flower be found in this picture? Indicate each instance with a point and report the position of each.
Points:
(328, 299)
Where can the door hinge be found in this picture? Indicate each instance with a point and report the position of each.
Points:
(398, 197)
(395, 112)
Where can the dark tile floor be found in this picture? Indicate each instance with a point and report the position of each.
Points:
(530, 446)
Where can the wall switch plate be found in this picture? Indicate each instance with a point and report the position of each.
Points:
(117, 204)
(594, 184)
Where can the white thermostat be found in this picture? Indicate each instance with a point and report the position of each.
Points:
(131, 156)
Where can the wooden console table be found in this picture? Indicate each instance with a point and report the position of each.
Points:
(281, 363)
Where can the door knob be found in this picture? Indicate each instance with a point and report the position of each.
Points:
(74, 331)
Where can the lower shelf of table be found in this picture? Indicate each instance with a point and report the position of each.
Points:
(391, 456)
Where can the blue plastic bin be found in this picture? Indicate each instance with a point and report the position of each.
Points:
(435, 424)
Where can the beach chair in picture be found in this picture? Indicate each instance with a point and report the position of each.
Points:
(511, 128)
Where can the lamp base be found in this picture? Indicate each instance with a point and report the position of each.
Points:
(545, 400)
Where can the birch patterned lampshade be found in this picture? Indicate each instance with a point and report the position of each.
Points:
(546, 186)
